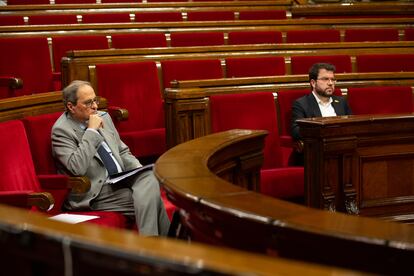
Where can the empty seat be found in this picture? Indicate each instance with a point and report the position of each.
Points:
(313, 36)
(257, 111)
(190, 70)
(26, 58)
(210, 15)
(158, 17)
(10, 20)
(255, 37)
(106, 18)
(52, 19)
(301, 64)
(381, 100)
(409, 34)
(255, 66)
(18, 177)
(27, 2)
(136, 87)
(75, 1)
(197, 39)
(62, 44)
(385, 63)
(262, 15)
(138, 40)
(373, 34)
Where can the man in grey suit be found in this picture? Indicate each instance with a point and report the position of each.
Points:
(321, 102)
(77, 137)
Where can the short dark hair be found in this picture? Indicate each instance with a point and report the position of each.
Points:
(70, 93)
(314, 70)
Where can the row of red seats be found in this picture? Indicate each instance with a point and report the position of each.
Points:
(38, 76)
(141, 17)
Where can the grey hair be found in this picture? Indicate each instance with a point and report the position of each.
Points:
(70, 93)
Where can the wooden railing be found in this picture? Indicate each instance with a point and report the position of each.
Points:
(219, 211)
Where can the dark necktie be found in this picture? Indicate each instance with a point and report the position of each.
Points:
(107, 160)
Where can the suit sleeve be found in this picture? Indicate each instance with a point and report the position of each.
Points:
(298, 112)
(75, 156)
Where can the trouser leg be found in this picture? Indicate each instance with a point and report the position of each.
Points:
(150, 214)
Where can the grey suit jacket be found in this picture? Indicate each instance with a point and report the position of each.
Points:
(307, 107)
(75, 152)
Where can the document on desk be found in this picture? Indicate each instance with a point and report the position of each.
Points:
(122, 175)
(72, 218)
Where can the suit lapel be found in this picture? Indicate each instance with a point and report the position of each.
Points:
(314, 107)
(337, 107)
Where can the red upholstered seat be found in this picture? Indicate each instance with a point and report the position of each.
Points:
(373, 34)
(190, 70)
(26, 58)
(258, 111)
(255, 37)
(301, 64)
(10, 20)
(210, 15)
(256, 66)
(138, 40)
(381, 100)
(158, 17)
(197, 39)
(313, 36)
(27, 2)
(18, 177)
(106, 17)
(262, 15)
(409, 34)
(52, 19)
(62, 44)
(385, 63)
(75, 1)
(135, 87)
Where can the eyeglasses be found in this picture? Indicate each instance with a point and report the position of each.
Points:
(89, 103)
(333, 80)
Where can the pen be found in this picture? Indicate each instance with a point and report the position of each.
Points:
(102, 114)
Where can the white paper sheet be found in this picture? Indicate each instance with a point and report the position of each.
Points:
(72, 218)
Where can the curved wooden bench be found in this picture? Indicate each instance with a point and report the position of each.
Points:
(223, 212)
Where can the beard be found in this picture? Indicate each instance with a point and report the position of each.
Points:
(327, 93)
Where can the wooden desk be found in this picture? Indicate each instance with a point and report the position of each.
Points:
(361, 165)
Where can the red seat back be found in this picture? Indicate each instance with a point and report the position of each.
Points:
(135, 86)
(158, 17)
(62, 44)
(373, 34)
(52, 19)
(17, 172)
(409, 34)
(106, 17)
(27, 2)
(301, 64)
(10, 20)
(38, 129)
(197, 39)
(313, 36)
(75, 1)
(385, 63)
(255, 37)
(138, 40)
(26, 58)
(210, 15)
(190, 70)
(381, 100)
(249, 111)
(262, 15)
(253, 67)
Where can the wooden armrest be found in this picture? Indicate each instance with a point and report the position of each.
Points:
(117, 113)
(43, 201)
(11, 82)
(79, 184)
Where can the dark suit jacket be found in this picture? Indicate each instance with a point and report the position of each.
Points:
(307, 107)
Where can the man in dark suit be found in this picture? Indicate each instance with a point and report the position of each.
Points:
(321, 102)
(78, 138)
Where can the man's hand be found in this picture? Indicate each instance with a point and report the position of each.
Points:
(95, 121)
